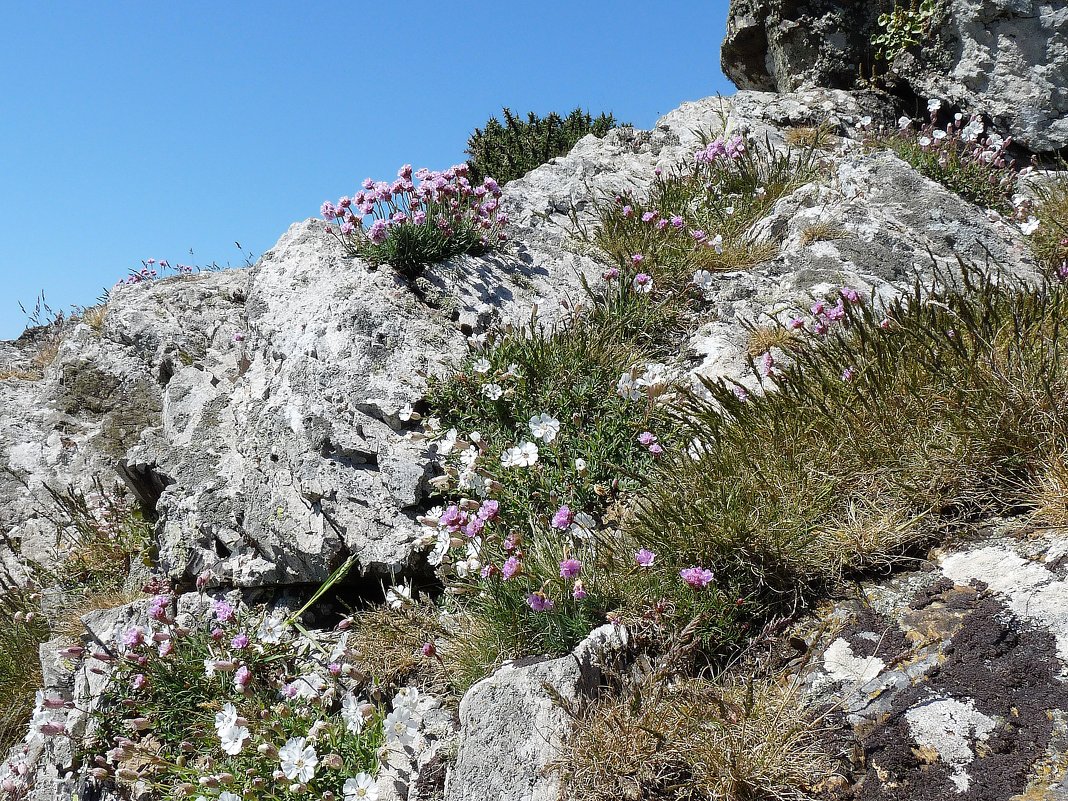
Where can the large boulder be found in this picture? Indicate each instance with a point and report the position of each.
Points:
(1004, 58)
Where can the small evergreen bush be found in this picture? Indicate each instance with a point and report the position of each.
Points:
(514, 148)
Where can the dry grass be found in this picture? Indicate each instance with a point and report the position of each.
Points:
(70, 626)
(694, 740)
(821, 231)
(819, 137)
(94, 316)
(388, 645)
(19, 375)
(764, 338)
(1049, 492)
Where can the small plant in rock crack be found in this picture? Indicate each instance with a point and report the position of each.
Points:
(151, 269)
(241, 705)
(903, 27)
(409, 224)
(543, 433)
(962, 155)
(698, 215)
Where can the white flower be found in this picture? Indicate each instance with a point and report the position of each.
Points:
(544, 427)
(903, 123)
(232, 738)
(399, 595)
(271, 630)
(934, 104)
(411, 699)
(407, 413)
(654, 378)
(361, 788)
(924, 141)
(298, 760)
(442, 540)
(973, 130)
(351, 714)
(226, 718)
(401, 726)
(583, 527)
(448, 442)
(482, 366)
(717, 241)
(760, 191)
(226, 795)
(704, 281)
(580, 466)
(939, 134)
(523, 455)
(492, 391)
(512, 371)
(1029, 226)
(628, 387)
(209, 667)
(308, 685)
(865, 121)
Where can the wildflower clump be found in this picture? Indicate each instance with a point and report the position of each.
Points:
(961, 154)
(235, 704)
(903, 27)
(420, 218)
(697, 215)
(514, 148)
(543, 433)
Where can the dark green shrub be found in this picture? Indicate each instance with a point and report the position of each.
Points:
(512, 149)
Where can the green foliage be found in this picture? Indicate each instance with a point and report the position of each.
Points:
(22, 630)
(904, 27)
(895, 427)
(1050, 239)
(570, 372)
(510, 150)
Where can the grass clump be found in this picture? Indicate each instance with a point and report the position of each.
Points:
(696, 740)
(511, 149)
(22, 630)
(813, 137)
(1049, 226)
(697, 216)
(888, 428)
(410, 225)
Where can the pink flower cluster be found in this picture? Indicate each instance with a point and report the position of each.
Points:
(726, 149)
(148, 271)
(824, 315)
(445, 199)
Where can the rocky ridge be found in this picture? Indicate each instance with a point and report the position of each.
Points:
(259, 416)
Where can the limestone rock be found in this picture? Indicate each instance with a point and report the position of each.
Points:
(511, 728)
(1004, 58)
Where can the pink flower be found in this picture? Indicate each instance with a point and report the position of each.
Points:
(696, 577)
(570, 568)
(429, 650)
(510, 567)
(134, 637)
(563, 518)
(139, 682)
(578, 592)
(850, 294)
(678, 222)
(656, 449)
(646, 438)
(610, 274)
(649, 216)
(539, 602)
(242, 678)
(474, 527)
(489, 510)
(644, 557)
(628, 211)
(767, 363)
(239, 642)
(637, 259)
(848, 373)
(378, 232)
(796, 323)
(223, 612)
(643, 282)
(452, 518)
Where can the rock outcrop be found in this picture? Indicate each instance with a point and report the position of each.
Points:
(1007, 60)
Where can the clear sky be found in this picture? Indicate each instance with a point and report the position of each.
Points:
(131, 130)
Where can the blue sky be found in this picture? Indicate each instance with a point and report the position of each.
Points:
(137, 130)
